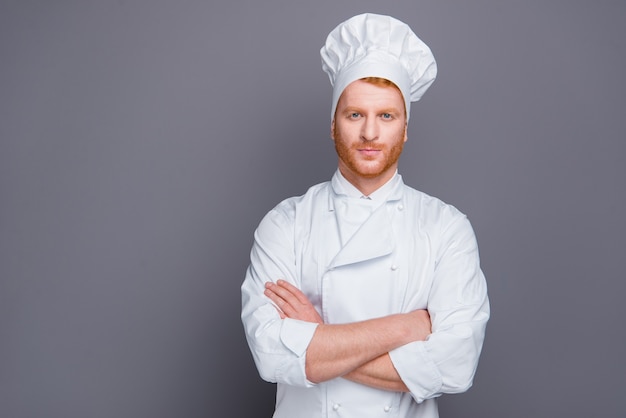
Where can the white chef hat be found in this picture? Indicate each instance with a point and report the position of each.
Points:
(371, 45)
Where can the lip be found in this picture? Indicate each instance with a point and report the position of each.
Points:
(368, 151)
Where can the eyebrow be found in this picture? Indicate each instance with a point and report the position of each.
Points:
(390, 110)
(355, 109)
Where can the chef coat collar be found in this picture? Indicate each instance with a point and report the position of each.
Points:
(388, 191)
(343, 187)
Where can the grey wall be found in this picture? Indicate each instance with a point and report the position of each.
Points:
(142, 141)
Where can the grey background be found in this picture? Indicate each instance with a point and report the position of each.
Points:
(142, 141)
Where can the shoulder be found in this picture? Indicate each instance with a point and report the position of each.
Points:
(444, 224)
(291, 205)
(430, 209)
(287, 210)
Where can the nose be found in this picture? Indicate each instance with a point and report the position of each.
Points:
(369, 130)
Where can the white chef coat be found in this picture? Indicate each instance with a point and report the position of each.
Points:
(411, 251)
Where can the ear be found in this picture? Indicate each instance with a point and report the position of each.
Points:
(406, 136)
(332, 130)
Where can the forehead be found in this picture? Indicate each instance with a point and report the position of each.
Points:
(361, 93)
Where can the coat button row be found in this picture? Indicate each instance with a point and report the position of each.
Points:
(336, 406)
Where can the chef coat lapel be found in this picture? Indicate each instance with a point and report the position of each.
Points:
(372, 240)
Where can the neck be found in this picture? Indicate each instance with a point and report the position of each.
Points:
(367, 185)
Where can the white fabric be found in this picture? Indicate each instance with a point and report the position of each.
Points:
(412, 252)
(380, 194)
(371, 45)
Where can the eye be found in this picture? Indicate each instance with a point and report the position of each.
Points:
(386, 116)
(354, 115)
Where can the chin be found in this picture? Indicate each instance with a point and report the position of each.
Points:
(370, 172)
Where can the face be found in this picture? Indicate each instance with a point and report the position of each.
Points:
(369, 131)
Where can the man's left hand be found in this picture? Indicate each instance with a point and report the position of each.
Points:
(291, 302)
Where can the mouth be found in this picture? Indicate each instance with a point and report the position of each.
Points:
(368, 151)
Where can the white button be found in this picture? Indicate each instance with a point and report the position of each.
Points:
(394, 267)
(400, 207)
(336, 406)
(387, 408)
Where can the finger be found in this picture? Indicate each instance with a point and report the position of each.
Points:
(284, 292)
(297, 293)
(284, 309)
(277, 300)
(280, 313)
(281, 304)
(298, 305)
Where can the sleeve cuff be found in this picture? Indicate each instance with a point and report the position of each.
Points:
(417, 370)
(296, 336)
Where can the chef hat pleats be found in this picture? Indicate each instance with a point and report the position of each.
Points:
(371, 45)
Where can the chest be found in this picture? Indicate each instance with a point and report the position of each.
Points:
(383, 265)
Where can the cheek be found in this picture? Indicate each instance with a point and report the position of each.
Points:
(341, 136)
(400, 134)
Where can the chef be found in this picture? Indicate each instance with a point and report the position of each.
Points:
(364, 297)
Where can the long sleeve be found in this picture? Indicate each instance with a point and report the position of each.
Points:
(459, 308)
(278, 346)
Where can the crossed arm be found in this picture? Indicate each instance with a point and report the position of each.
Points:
(357, 351)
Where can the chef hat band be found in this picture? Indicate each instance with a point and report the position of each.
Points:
(370, 45)
(376, 64)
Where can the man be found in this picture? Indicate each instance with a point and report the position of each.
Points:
(364, 297)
